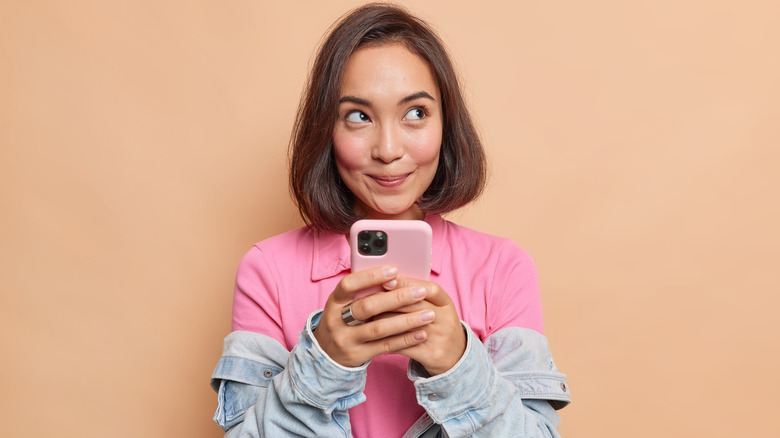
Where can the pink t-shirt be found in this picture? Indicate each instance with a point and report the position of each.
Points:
(283, 279)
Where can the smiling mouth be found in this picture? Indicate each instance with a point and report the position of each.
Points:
(390, 180)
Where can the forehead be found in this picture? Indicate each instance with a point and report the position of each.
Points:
(388, 69)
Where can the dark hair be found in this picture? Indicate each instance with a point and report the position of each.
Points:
(323, 199)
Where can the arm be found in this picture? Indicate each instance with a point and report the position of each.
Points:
(509, 386)
(266, 391)
(512, 389)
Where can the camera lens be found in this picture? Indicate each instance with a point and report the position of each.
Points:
(379, 241)
(364, 248)
(364, 236)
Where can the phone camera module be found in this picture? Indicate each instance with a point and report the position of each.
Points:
(372, 243)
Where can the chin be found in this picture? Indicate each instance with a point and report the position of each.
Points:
(393, 212)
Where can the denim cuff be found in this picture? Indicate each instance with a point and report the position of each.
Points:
(318, 379)
(446, 396)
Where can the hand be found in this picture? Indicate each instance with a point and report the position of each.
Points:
(353, 346)
(446, 340)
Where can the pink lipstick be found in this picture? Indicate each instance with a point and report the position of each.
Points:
(390, 180)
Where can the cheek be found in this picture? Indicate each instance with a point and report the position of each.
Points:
(426, 147)
(347, 151)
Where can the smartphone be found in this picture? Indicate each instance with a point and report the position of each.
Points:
(405, 244)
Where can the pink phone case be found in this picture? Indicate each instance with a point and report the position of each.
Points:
(408, 244)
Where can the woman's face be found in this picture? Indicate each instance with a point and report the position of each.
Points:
(388, 134)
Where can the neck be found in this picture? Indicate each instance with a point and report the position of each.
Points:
(412, 213)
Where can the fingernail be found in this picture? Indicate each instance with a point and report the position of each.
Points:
(417, 292)
(389, 272)
(419, 336)
(390, 284)
(427, 316)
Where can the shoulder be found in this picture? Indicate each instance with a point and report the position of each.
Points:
(286, 247)
(484, 244)
(287, 240)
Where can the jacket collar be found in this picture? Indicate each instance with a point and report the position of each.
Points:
(330, 254)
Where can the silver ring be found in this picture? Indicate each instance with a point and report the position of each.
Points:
(348, 317)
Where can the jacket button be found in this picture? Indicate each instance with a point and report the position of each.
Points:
(268, 374)
(563, 386)
(433, 397)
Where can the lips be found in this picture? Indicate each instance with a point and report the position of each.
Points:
(390, 180)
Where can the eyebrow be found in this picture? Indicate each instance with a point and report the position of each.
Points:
(409, 98)
(417, 95)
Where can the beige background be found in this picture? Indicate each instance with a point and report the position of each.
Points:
(634, 149)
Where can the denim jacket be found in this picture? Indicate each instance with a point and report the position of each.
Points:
(508, 386)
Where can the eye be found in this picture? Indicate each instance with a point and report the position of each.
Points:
(357, 117)
(415, 114)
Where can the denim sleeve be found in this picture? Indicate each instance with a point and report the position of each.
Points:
(508, 386)
(265, 391)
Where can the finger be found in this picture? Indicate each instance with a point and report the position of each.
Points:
(358, 281)
(433, 292)
(377, 304)
(398, 343)
(392, 326)
(416, 307)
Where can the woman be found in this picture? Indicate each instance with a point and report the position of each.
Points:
(382, 132)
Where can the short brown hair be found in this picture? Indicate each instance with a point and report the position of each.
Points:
(323, 199)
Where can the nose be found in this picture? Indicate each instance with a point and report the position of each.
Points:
(388, 146)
